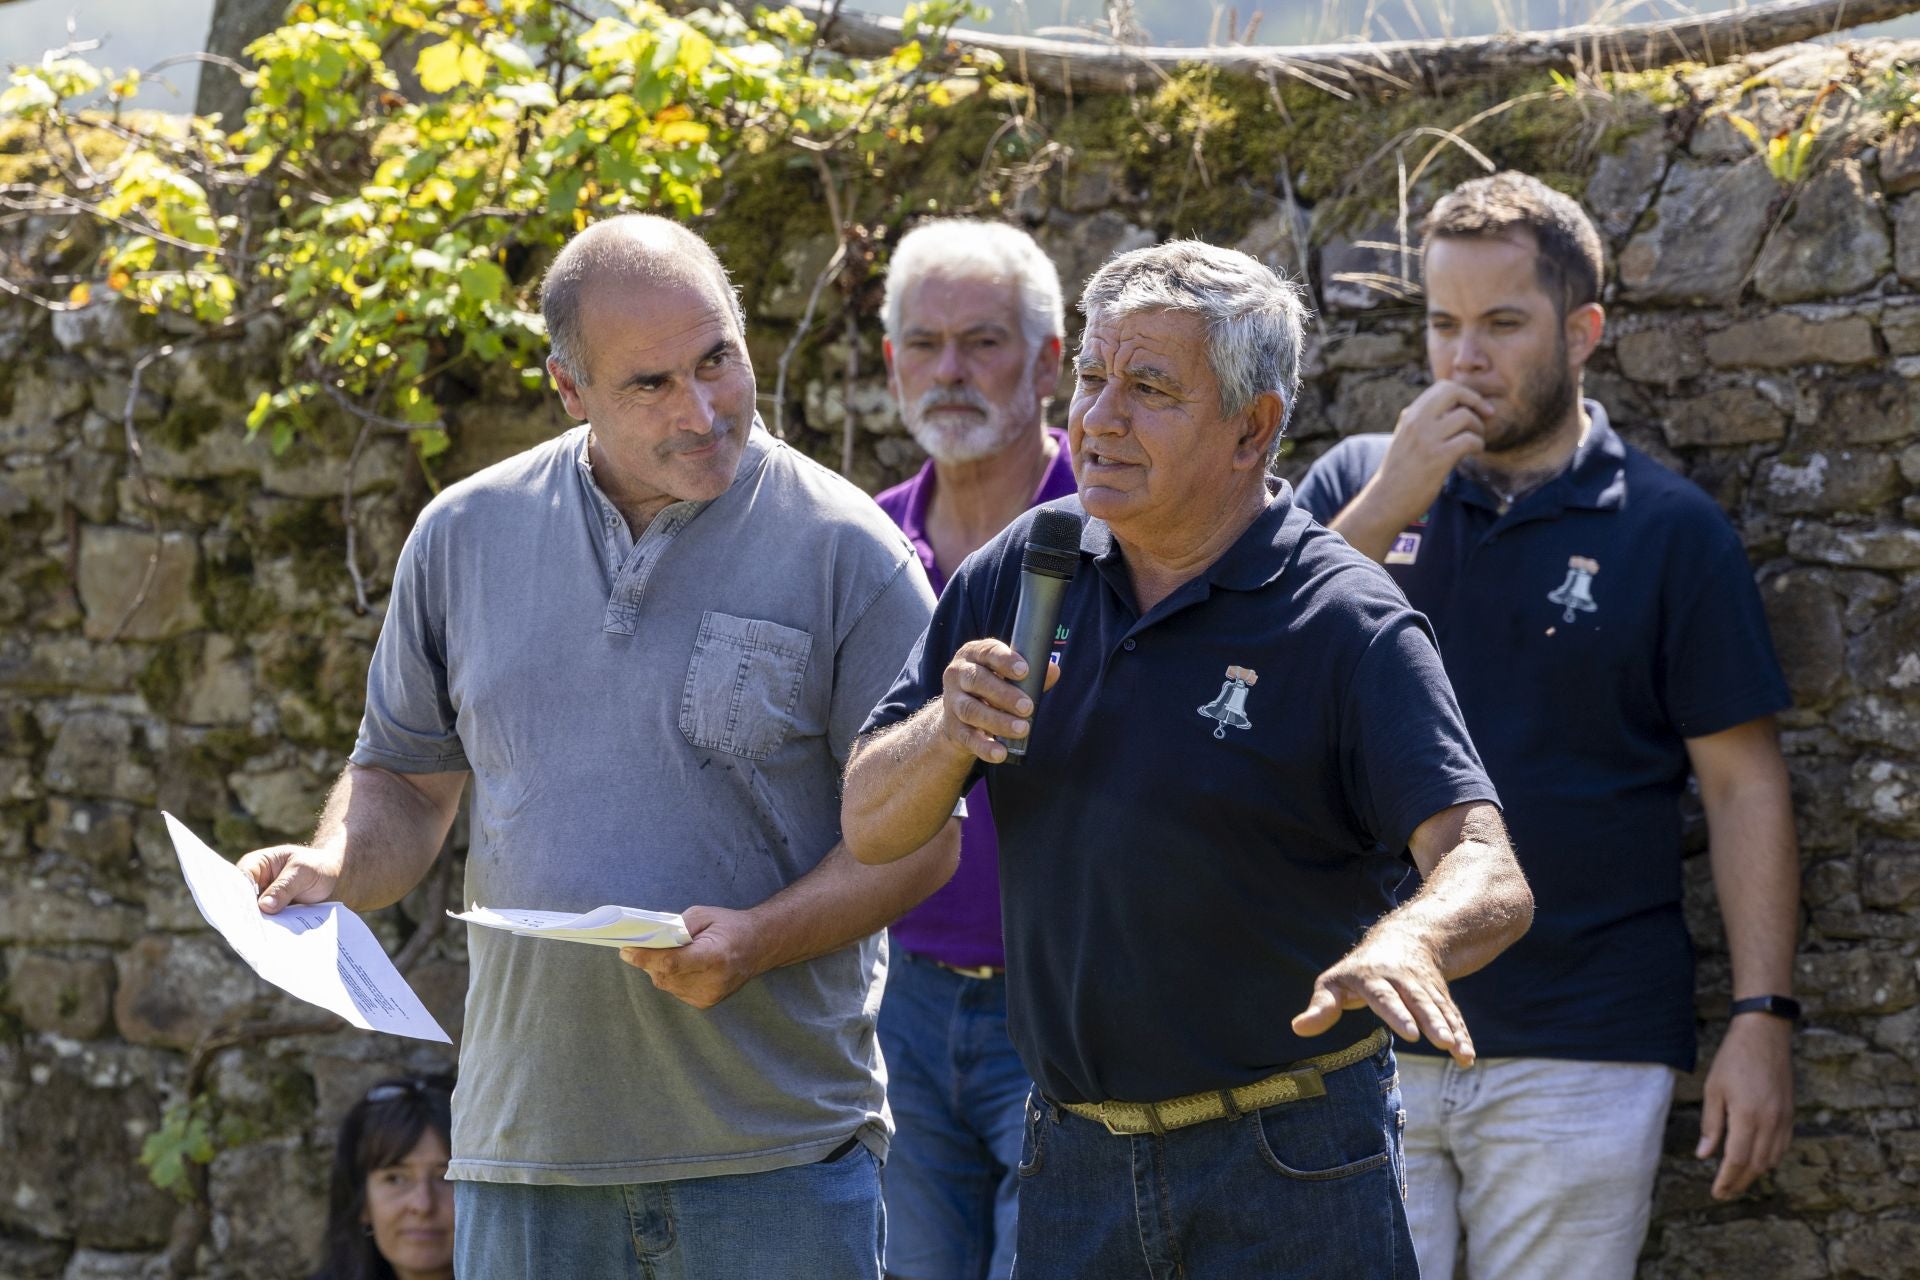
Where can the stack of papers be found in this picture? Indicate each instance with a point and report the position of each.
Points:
(601, 927)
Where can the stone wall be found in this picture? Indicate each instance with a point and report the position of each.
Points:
(1763, 340)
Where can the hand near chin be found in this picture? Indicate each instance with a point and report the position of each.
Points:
(1446, 423)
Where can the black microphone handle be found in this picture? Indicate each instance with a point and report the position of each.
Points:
(1034, 622)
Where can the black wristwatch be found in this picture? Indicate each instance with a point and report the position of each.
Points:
(1779, 1006)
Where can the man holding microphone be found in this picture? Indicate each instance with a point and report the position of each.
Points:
(1246, 731)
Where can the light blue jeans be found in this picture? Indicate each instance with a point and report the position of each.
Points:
(1541, 1169)
(811, 1222)
(1306, 1190)
(959, 1098)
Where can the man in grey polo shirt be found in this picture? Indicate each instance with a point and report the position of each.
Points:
(650, 643)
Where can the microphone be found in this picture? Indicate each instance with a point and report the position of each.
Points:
(1051, 559)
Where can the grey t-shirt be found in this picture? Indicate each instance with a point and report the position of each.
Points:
(657, 723)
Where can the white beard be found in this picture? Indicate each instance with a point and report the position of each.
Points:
(955, 442)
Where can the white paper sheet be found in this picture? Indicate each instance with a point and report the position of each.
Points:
(602, 927)
(321, 952)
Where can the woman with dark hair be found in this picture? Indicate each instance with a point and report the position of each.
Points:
(390, 1211)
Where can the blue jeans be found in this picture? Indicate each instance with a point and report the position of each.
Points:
(1307, 1190)
(810, 1222)
(959, 1098)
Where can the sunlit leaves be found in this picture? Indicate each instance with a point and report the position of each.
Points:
(481, 280)
(683, 132)
(309, 73)
(26, 96)
(513, 60)
(534, 95)
(450, 63)
(408, 228)
(172, 202)
(935, 16)
(69, 77)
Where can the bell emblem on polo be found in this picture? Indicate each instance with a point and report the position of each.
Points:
(1576, 593)
(1230, 708)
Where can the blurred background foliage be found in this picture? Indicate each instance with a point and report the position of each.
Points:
(405, 168)
(141, 33)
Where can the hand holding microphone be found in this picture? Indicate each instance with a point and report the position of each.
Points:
(991, 689)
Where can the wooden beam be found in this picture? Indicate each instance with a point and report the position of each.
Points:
(1372, 67)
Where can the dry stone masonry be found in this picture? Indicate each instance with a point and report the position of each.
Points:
(198, 651)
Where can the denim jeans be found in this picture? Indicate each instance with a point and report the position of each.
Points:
(959, 1098)
(810, 1222)
(1307, 1190)
(1544, 1169)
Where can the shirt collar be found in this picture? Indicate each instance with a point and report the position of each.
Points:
(1257, 557)
(1055, 482)
(1598, 476)
(1261, 554)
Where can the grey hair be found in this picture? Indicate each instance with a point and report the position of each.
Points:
(641, 245)
(1255, 317)
(970, 249)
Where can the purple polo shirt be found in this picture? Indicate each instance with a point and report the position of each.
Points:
(960, 924)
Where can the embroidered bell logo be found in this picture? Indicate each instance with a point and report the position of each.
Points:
(1576, 593)
(1230, 708)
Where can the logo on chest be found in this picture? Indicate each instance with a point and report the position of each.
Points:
(1230, 708)
(1575, 595)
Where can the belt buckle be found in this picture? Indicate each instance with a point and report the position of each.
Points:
(1148, 1122)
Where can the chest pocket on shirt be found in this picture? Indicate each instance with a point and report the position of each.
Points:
(742, 684)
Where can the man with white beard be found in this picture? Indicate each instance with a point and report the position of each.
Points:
(974, 323)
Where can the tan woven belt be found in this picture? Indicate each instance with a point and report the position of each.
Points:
(978, 972)
(1302, 1081)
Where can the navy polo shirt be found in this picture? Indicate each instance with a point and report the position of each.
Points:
(1215, 802)
(1588, 631)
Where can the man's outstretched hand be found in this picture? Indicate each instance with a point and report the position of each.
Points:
(1401, 981)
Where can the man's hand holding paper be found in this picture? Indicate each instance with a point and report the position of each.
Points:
(289, 873)
(321, 952)
(715, 964)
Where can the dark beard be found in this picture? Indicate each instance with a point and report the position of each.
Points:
(1545, 401)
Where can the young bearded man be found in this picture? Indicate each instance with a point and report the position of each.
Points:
(1599, 622)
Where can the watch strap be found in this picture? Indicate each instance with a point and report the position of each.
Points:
(1779, 1006)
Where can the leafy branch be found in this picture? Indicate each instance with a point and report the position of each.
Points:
(401, 237)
